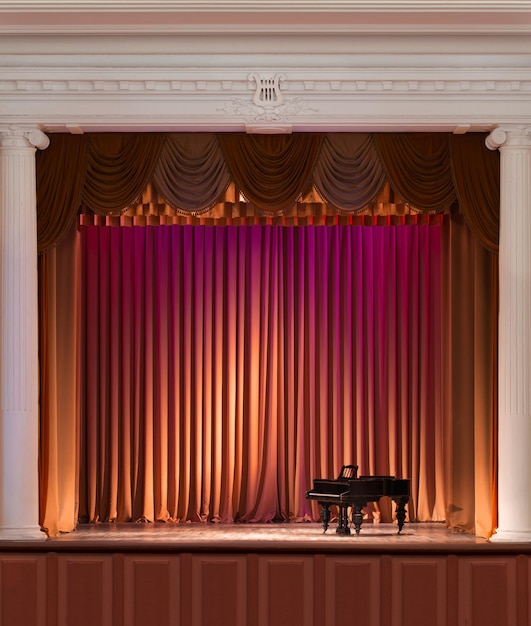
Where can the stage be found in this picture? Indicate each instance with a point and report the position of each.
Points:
(281, 574)
(278, 537)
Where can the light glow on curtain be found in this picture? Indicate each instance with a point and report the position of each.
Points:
(224, 368)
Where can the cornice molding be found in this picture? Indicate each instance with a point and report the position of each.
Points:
(66, 82)
(94, 99)
(521, 27)
(395, 6)
(86, 66)
(265, 16)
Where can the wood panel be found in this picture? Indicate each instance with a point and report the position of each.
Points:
(219, 591)
(352, 582)
(419, 589)
(23, 591)
(151, 590)
(85, 587)
(285, 590)
(487, 591)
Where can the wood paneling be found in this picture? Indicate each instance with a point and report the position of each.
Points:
(23, 591)
(419, 588)
(352, 582)
(487, 591)
(151, 590)
(85, 590)
(285, 590)
(207, 589)
(219, 591)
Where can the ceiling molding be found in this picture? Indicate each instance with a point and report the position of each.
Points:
(267, 6)
(101, 99)
(265, 16)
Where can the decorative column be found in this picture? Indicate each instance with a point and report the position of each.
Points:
(514, 324)
(19, 374)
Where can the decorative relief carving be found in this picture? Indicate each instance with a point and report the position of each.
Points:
(13, 136)
(267, 92)
(269, 104)
(509, 135)
(240, 107)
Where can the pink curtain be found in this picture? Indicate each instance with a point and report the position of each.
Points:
(224, 368)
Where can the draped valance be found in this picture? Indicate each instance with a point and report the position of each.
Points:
(109, 171)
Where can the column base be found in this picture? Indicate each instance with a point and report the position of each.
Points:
(29, 533)
(511, 536)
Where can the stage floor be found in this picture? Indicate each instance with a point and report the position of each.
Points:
(285, 537)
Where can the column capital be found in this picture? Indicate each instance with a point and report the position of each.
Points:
(510, 135)
(13, 136)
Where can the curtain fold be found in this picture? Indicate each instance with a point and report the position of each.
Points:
(476, 173)
(470, 364)
(59, 399)
(61, 171)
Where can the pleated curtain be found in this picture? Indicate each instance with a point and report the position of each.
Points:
(204, 439)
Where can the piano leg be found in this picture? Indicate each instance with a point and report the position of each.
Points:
(342, 526)
(325, 516)
(357, 518)
(401, 512)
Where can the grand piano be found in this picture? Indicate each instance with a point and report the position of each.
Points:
(349, 490)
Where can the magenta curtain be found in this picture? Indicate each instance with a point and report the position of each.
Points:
(224, 368)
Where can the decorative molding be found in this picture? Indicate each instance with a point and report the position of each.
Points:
(250, 112)
(267, 92)
(256, 16)
(13, 136)
(269, 112)
(374, 81)
(512, 136)
(154, 6)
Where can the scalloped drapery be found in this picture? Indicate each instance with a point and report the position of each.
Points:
(60, 180)
(348, 172)
(118, 169)
(482, 202)
(273, 171)
(191, 174)
(418, 166)
(109, 171)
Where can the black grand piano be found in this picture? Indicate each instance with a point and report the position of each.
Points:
(349, 490)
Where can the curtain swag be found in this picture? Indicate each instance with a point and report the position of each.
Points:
(109, 171)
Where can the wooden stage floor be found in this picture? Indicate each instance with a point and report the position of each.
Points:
(273, 537)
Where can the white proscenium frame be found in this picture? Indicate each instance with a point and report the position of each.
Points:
(338, 65)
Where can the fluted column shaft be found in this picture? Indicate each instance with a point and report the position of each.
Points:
(19, 375)
(514, 327)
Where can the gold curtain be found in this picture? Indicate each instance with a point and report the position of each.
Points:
(470, 371)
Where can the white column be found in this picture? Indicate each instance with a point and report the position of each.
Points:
(19, 373)
(514, 327)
